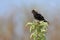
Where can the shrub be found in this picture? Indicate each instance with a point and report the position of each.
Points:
(38, 30)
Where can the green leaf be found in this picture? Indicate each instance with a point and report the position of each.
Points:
(38, 29)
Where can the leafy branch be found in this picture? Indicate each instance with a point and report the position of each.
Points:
(38, 30)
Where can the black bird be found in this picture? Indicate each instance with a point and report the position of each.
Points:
(38, 16)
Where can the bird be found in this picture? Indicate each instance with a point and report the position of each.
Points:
(38, 16)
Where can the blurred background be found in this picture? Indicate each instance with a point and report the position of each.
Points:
(14, 14)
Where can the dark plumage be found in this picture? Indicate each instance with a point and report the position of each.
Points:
(38, 16)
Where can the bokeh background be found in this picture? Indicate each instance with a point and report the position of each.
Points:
(14, 14)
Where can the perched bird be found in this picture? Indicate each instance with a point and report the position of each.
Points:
(38, 16)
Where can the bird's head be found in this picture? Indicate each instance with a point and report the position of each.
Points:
(33, 11)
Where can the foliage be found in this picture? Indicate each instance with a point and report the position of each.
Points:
(38, 29)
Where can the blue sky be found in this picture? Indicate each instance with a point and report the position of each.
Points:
(7, 5)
